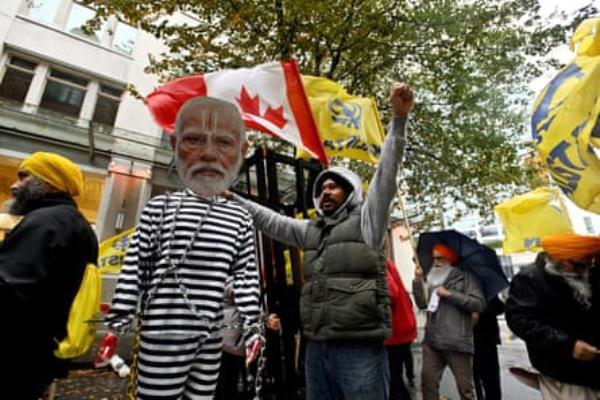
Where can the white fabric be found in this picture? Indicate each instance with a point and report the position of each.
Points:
(264, 87)
(434, 302)
(555, 390)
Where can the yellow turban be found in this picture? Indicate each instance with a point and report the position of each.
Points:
(57, 171)
(570, 246)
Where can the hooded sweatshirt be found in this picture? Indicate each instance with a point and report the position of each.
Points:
(375, 212)
(325, 282)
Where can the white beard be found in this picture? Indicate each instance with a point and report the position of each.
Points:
(208, 186)
(437, 275)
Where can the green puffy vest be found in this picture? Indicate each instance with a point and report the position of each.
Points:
(345, 294)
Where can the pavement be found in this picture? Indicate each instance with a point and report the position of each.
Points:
(89, 384)
(511, 352)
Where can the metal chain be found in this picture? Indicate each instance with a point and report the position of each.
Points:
(172, 266)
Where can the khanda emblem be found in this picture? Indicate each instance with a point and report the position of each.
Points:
(347, 114)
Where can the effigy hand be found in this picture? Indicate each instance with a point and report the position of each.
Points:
(252, 351)
(106, 349)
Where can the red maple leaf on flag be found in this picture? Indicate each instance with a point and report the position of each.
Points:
(275, 116)
(251, 105)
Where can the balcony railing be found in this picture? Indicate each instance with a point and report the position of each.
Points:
(58, 128)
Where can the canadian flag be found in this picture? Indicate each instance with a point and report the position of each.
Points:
(270, 97)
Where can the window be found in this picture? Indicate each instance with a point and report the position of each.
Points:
(107, 105)
(124, 38)
(165, 140)
(490, 230)
(78, 16)
(18, 76)
(43, 10)
(589, 225)
(64, 93)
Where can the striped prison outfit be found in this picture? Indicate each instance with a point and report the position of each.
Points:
(184, 250)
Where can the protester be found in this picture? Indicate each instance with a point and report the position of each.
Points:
(233, 356)
(486, 367)
(42, 262)
(554, 306)
(404, 331)
(344, 304)
(450, 296)
(408, 363)
(186, 246)
(233, 383)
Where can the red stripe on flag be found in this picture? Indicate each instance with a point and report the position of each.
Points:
(301, 110)
(165, 102)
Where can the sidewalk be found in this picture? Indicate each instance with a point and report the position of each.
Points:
(511, 352)
(89, 384)
(106, 385)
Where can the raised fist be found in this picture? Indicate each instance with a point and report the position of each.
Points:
(401, 99)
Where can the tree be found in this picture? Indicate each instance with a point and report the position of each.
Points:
(468, 61)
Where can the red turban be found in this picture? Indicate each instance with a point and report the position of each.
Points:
(446, 252)
(570, 246)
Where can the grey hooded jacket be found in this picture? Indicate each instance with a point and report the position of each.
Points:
(364, 224)
(451, 326)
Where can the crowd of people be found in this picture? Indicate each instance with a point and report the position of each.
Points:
(190, 284)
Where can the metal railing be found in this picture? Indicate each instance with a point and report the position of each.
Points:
(58, 128)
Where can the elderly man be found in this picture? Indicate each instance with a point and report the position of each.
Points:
(186, 247)
(554, 306)
(450, 296)
(42, 262)
(344, 304)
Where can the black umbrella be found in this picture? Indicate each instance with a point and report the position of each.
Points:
(479, 260)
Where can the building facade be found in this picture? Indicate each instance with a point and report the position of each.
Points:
(65, 91)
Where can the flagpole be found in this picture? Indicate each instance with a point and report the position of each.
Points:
(407, 225)
(410, 238)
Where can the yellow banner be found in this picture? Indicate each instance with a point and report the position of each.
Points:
(531, 216)
(113, 250)
(350, 126)
(564, 115)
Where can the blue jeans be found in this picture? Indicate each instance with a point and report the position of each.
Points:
(349, 371)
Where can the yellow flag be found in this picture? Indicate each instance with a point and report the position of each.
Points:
(113, 250)
(564, 115)
(350, 126)
(531, 216)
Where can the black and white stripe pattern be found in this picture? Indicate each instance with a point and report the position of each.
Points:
(224, 246)
(178, 367)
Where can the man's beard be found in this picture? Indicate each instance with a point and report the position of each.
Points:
(208, 186)
(578, 282)
(437, 275)
(27, 195)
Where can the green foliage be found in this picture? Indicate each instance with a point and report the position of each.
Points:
(469, 63)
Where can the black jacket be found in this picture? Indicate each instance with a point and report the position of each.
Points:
(487, 332)
(42, 261)
(542, 311)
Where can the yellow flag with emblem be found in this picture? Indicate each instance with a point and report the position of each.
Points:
(112, 251)
(531, 216)
(566, 114)
(350, 126)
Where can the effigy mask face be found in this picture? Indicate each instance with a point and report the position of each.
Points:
(210, 147)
